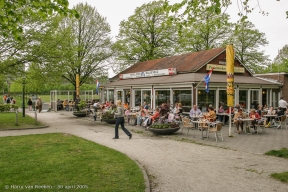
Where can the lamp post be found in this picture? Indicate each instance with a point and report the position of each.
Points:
(23, 98)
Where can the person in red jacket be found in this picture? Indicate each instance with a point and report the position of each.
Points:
(255, 116)
(156, 115)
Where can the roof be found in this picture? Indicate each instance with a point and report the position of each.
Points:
(190, 78)
(190, 62)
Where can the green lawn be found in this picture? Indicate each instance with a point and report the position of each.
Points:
(279, 153)
(60, 161)
(8, 121)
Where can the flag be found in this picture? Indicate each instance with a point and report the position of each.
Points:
(207, 80)
(97, 87)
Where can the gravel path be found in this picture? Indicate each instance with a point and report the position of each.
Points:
(173, 165)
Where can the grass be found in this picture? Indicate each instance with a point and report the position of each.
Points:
(8, 121)
(62, 161)
(283, 177)
(279, 153)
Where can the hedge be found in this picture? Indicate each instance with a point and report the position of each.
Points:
(7, 107)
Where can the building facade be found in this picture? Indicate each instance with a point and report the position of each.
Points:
(178, 79)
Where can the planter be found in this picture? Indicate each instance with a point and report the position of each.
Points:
(164, 131)
(79, 114)
(110, 121)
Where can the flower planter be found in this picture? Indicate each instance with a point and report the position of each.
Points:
(110, 121)
(79, 114)
(164, 131)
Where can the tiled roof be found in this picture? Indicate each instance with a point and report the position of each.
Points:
(189, 78)
(183, 63)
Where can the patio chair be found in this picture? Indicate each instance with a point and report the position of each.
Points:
(281, 120)
(216, 128)
(187, 124)
(261, 124)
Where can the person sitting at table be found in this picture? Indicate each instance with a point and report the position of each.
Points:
(141, 118)
(59, 105)
(195, 112)
(271, 111)
(211, 115)
(179, 112)
(265, 108)
(107, 104)
(280, 112)
(145, 106)
(259, 110)
(127, 114)
(220, 117)
(255, 116)
(175, 109)
(65, 104)
(125, 105)
(238, 120)
(156, 115)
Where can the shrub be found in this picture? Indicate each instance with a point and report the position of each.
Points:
(7, 107)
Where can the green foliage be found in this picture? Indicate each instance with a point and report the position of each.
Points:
(13, 13)
(247, 43)
(50, 159)
(278, 153)
(82, 104)
(283, 177)
(109, 114)
(207, 32)
(148, 34)
(280, 63)
(8, 107)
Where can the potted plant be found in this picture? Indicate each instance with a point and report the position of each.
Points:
(80, 109)
(163, 126)
(108, 116)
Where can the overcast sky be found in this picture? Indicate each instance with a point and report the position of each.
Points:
(275, 25)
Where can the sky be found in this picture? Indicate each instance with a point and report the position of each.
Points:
(275, 25)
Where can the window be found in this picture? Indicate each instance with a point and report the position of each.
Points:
(137, 97)
(184, 97)
(205, 99)
(162, 96)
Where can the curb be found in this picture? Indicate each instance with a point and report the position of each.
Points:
(147, 182)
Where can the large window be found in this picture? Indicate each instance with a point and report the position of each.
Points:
(184, 97)
(138, 97)
(127, 96)
(243, 98)
(119, 95)
(105, 96)
(275, 98)
(147, 97)
(162, 96)
(254, 99)
(205, 99)
(223, 98)
(111, 95)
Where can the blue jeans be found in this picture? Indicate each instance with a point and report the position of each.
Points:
(120, 120)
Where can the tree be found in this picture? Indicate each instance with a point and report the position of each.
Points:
(247, 42)
(13, 12)
(280, 63)
(191, 8)
(147, 34)
(88, 46)
(282, 56)
(207, 32)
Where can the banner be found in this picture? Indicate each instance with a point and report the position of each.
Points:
(153, 73)
(230, 75)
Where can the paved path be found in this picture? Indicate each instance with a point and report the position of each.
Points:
(183, 166)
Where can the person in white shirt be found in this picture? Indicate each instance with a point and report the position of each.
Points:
(195, 112)
(283, 104)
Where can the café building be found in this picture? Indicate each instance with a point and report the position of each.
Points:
(178, 79)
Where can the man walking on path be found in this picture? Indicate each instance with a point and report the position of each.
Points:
(283, 104)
